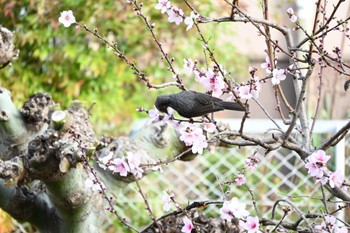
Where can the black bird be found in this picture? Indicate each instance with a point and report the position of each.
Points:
(193, 104)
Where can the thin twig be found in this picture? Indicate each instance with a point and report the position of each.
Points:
(253, 200)
(296, 210)
(142, 75)
(330, 141)
(138, 8)
(108, 199)
(280, 221)
(148, 207)
(317, 109)
(324, 201)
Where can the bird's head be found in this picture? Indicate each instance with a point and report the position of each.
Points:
(162, 103)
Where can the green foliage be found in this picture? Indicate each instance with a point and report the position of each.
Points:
(70, 64)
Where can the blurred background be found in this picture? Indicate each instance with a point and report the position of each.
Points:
(70, 64)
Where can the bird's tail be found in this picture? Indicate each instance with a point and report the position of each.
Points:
(232, 106)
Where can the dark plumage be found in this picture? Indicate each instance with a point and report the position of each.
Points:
(193, 104)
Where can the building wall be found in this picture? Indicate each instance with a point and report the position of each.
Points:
(334, 99)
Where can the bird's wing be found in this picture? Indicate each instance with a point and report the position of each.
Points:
(205, 99)
(206, 103)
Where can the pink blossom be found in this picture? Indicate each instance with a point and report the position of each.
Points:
(266, 65)
(67, 18)
(199, 145)
(189, 65)
(244, 92)
(167, 200)
(240, 180)
(187, 228)
(323, 180)
(187, 134)
(189, 21)
(200, 74)
(278, 75)
(134, 162)
(336, 179)
(251, 225)
(293, 18)
(175, 15)
(209, 127)
(249, 165)
(104, 161)
(319, 156)
(314, 169)
(153, 114)
(233, 208)
(92, 183)
(194, 137)
(290, 11)
(250, 90)
(329, 223)
(214, 82)
(137, 172)
(119, 165)
(316, 164)
(251, 162)
(163, 5)
(331, 220)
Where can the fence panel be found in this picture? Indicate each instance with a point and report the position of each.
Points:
(279, 175)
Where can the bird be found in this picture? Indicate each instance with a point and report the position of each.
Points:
(191, 104)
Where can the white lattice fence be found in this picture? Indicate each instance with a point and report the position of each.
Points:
(280, 175)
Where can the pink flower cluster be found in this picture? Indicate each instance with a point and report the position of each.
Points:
(193, 136)
(236, 209)
(176, 15)
(233, 209)
(155, 116)
(189, 134)
(316, 166)
(123, 166)
(211, 79)
(251, 162)
(92, 183)
(278, 75)
(293, 18)
(330, 225)
(167, 200)
(240, 180)
(249, 90)
(267, 65)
